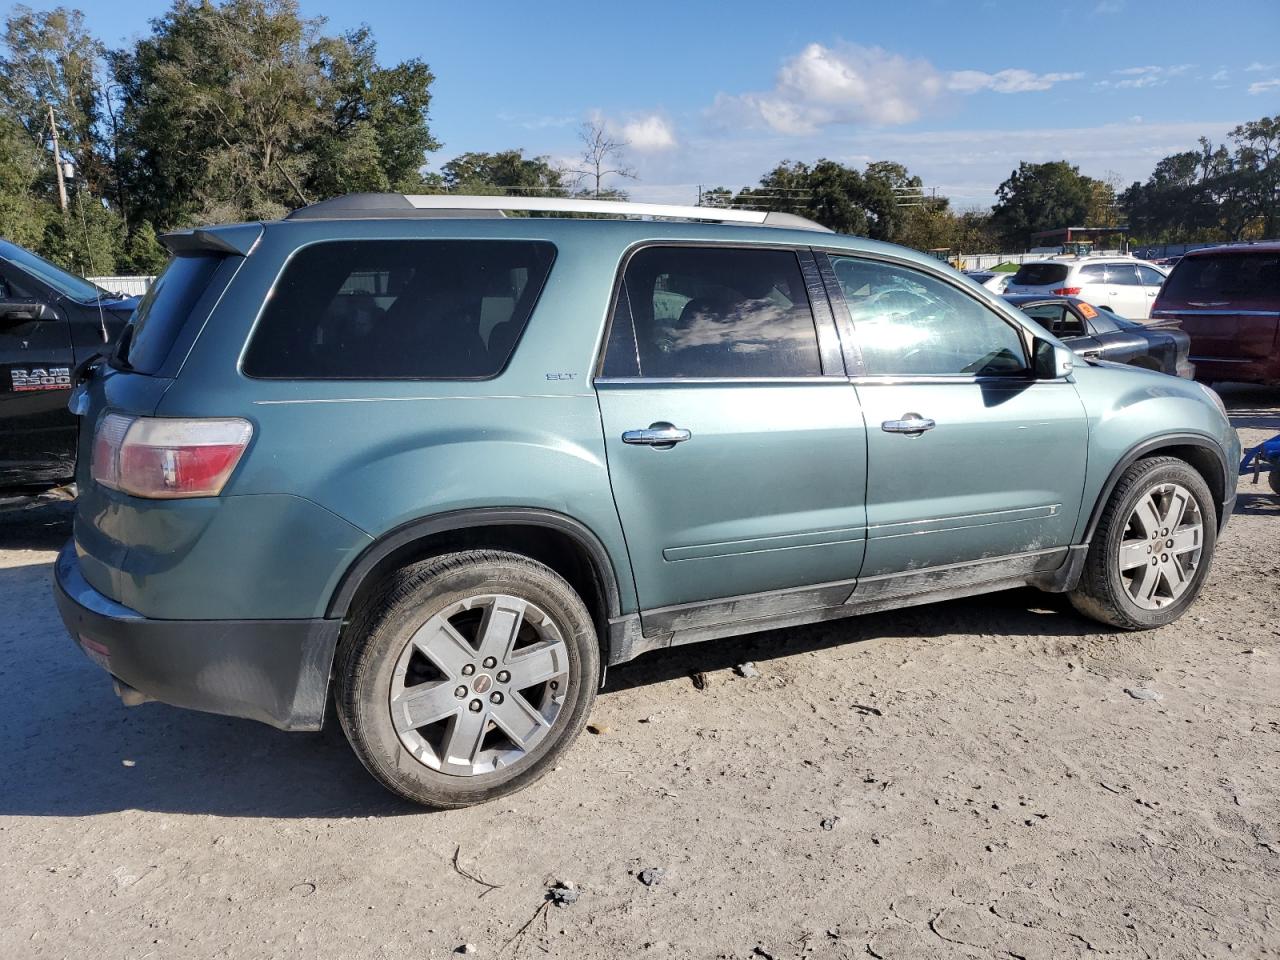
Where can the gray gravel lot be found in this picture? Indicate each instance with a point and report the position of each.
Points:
(968, 779)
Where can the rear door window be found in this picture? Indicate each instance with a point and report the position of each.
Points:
(1040, 274)
(1122, 275)
(712, 312)
(1221, 281)
(160, 316)
(399, 310)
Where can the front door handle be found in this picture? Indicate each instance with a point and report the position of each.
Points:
(662, 435)
(911, 423)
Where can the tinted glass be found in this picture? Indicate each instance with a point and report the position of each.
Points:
(712, 312)
(1226, 279)
(909, 323)
(1150, 277)
(1040, 274)
(1122, 275)
(1092, 273)
(163, 311)
(399, 309)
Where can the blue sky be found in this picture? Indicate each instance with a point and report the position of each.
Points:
(717, 93)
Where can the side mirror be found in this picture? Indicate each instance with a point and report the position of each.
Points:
(1053, 361)
(16, 312)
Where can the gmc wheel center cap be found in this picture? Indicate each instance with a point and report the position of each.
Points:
(482, 683)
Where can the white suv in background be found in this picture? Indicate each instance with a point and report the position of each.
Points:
(1123, 285)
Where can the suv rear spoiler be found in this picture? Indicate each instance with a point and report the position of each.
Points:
(236, 240)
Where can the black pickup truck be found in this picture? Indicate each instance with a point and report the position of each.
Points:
(51, 321)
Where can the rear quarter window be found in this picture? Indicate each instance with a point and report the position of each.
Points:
(399, 310)
(1040, 274)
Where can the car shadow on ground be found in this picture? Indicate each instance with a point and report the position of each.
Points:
(69, 748)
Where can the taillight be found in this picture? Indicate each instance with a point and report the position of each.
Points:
(167, 458)
(1068, 291)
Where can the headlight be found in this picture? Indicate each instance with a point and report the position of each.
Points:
(1217, 400)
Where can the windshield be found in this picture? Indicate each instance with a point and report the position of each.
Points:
(67, 284)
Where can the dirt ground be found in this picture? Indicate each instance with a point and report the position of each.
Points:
(968, 779)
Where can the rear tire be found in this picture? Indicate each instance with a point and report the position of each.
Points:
(1152, 549)
(466, 677)
(1273, 478)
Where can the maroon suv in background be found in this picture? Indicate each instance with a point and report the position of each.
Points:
(1228, 300)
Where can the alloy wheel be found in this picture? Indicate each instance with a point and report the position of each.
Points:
(479, 685)
(1160, 551)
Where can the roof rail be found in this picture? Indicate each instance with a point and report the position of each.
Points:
(382, 205)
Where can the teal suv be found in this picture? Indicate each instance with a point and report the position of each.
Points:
(439, 464)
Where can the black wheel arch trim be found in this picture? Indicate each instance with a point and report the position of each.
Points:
(455, 520)
(1145, 448)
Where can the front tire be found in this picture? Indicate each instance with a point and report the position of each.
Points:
(466, 677)
(1152, 549)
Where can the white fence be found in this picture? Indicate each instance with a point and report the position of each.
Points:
(131, 286)
(985, 261)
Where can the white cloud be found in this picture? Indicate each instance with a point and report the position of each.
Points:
(649, 133)
(851, 84)
(1135, 78)
(537, 121)
(1219, 76)
(1257, 67)
(1262, 86)
(1006, 81)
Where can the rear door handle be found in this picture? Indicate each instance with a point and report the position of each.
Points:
(662, 435)
(911, 423)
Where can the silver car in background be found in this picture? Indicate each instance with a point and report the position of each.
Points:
(1121, 284)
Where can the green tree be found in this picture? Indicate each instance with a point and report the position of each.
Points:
(1041, 196)
(373, 134)
(870, 202)
(508, 171)
(243, 109)
(1257, 161)
(86, 241)
(1212, 193)
(24, 206)
(142, 252)
(50, 60)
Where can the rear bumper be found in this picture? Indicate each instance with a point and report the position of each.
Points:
(1214, 369)
(275, 671)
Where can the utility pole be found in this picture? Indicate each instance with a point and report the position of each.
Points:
(57, 163)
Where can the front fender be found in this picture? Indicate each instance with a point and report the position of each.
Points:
(1135, 413)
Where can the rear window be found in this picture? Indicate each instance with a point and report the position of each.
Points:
(159, 317)
(399, 310)
(1229, 278)
(1040, 274)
